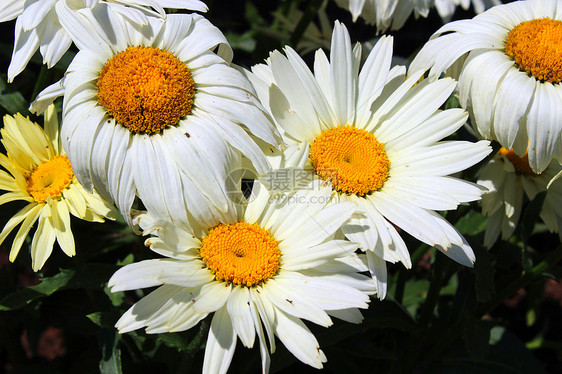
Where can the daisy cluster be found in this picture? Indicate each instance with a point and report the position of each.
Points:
(278, 193)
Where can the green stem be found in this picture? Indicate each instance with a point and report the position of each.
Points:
(308, 15)
(436, 282)
(193, 347)
(42, 81)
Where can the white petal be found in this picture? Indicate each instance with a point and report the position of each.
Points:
(25, 45)
(79, 30)
(150, 273)
(239, 310)
(155, 303)
(293, 301)
(377, 268)
(543, 125)
(298, 339)
(320, 226)
(54, 43)
(373, 77)
(344, 84)
(440, 159)
(10, 10)
(416, 106)
(512, 101)
(298, 258)
(35, 12)
(221, 344)
(47, 96)
(435, 128)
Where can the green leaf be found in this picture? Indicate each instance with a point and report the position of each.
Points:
(47, 286)
(105, 319)
(472, 223)
(12, 101)
(174, 340)
(111, 353)
(244, 42)
(92, 276)
(452, 102)
(116, 298)
(129, 259)
(89, 276)
(415, 293)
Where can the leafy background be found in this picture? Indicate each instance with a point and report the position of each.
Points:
(502, 316)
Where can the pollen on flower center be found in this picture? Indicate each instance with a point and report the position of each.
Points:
(351, 158)
(536, 46)
(50, 179)
(521, 164)
(146, 89)
(241, 253)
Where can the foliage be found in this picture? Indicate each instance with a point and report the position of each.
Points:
(502, 316)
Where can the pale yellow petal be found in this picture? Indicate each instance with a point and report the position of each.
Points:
(15, 220)
(42, 243)
(7, 182)
(16, 175)
(52, 129)
(34, 137)
(12, 196)
(60, 220)
(100, 206)
(75, 201)
(19, 157)
(24, 141)
(24, 230)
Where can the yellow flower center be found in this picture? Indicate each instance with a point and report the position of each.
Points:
(50, 179)
(241, 254)
(536, 46)
(352, 159)
(521, 164)
(146, 89)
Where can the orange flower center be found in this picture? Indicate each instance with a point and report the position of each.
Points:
(536, 46)
(521, 164)
(241, 254)
(146, 89)
(352, 159)
(50, 179)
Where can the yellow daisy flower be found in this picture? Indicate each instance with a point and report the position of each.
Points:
(38, 172)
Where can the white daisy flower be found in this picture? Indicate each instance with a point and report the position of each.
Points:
(377, 138)
(508, 61)
(508, 177)
(157, 113)
(394, 13)
(39, 173)
(446, 8)
(266, 269)
(39, 25)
